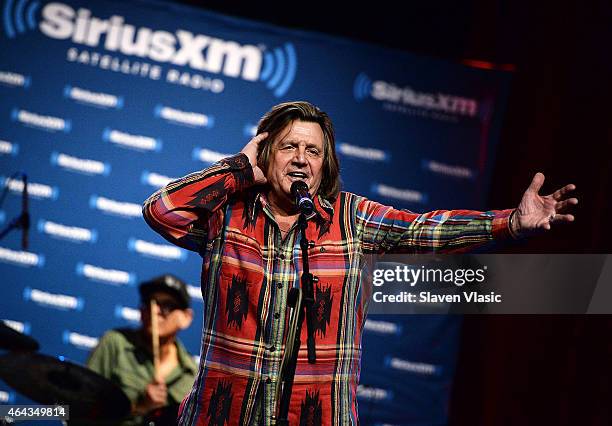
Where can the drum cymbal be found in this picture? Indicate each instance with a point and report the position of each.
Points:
(13, 340)
(50, 380)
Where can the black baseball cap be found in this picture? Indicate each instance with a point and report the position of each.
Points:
(169, 284)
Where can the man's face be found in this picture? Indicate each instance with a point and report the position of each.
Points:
(170, 316)
(297, 154)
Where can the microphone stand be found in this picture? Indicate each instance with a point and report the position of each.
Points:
(301, 302)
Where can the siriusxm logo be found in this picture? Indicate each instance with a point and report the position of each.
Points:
(158, 251)
(382, 327)
(81, 341)
(35, 190)
(155, 179)
(137, 142)
(413, 367)
(275, 68)
(207, 155)
(21, 327)
(374, 394)
(187, 118)
(127, 313)
(364, 87)
(60, 301)
(409, 195)
(110, 276)
(371, 154)
(98, 99)
(15, 79)
(39, 121)
(81, 165)
(9, 148)
(21, 258)
(448, 170)
(70, 233)
(119, 208)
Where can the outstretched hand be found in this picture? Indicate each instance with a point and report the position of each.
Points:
(250, 150)
(536, 212)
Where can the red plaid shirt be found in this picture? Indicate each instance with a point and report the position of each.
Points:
(247, 271)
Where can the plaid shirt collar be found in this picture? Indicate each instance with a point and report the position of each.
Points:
(323, 208)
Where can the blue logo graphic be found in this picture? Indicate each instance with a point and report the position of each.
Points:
(41, 122)
(188, 118)
(19, 18)
(133, 141)
(362, 86)
(14, 150)
(414, 367)
(80, 303)
(249, 130)
(163, 252)
(82, 166)
(119, 313)
(107, 275)
(106, 100)
(279, 69)
(10, 397)
(66, 234)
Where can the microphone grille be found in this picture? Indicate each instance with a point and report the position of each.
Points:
(298, 185)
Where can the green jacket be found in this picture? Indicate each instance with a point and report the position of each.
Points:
(122, 356)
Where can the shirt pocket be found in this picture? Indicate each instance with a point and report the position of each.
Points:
(240, 285)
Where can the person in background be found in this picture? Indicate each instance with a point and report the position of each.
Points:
(125, 356)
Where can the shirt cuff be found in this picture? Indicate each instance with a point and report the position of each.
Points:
(501, 224)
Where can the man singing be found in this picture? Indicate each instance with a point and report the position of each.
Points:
(240, 216)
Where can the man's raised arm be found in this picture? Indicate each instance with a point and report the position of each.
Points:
(385, 229)
(182, 210)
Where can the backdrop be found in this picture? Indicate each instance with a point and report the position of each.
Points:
(102, 102)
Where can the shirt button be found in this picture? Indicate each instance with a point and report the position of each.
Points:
(279, 285)
(268, 380)
(322, 249)
(281, 256)
(271, 348)
(277, 315)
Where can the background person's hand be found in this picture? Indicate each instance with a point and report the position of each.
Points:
(155, 396)
(251, 150)
(536, 212)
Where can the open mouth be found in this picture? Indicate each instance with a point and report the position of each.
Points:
(298, 175)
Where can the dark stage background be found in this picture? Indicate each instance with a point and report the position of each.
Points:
(528, 370)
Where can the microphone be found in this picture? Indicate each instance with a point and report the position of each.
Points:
(299, 190)
(25, 215)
